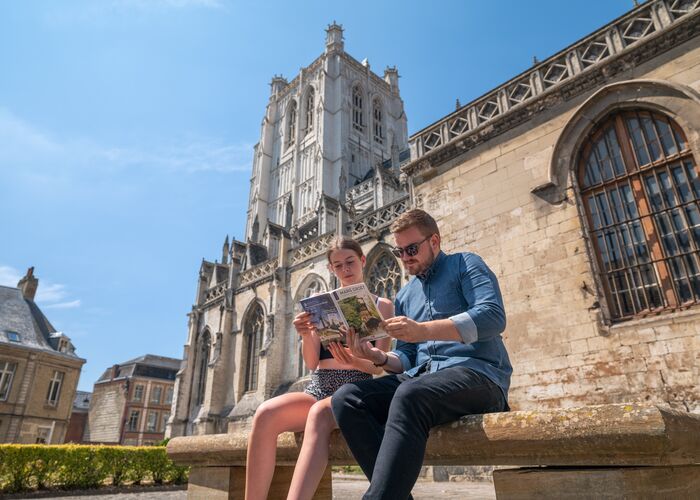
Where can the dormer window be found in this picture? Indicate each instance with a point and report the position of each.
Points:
(13, 336)
(62, 345)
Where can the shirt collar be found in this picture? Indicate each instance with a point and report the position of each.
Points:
(433, 267)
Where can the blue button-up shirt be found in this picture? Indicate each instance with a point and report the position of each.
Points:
(462, 288)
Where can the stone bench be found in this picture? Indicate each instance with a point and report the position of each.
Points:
(608, 451)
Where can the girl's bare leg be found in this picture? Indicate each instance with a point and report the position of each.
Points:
(280, 414)
(313, 457)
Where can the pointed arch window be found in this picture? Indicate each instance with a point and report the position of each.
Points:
(357, 113)
(309, 110)
(253, 327)
(384, 276)
(313, 288)
(292, 123)
(377, 127)
(203, 353)
(640, 190)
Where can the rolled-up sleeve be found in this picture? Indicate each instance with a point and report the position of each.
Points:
(485, 318)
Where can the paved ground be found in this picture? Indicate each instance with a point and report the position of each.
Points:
(343, 488)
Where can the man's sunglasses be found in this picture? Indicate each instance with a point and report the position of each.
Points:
(410, 250)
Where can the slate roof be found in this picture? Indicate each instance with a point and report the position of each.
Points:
(148, 365)
(23, 317)
(82, 400)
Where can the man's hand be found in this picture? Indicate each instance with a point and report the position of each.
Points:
(403, 328)
(362, 348)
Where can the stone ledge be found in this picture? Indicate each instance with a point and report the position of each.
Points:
(615, 434)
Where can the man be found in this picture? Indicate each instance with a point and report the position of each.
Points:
(450, 360)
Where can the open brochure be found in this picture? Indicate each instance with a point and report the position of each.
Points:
(348, 306)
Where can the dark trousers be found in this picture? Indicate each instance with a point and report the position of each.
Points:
(386, 421)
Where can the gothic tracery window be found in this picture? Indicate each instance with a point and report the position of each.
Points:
(312, 289)
(384, 276)
(309, 110)
(203, 352)
(292, 123)
(253, 329)
(357, 117)
(640, 190)
(377, 127)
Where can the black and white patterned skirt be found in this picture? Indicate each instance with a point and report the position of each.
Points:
(324, 382)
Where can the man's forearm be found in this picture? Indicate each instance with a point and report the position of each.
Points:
(440, 329)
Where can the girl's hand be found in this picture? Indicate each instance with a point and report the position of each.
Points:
(342, 355)
(303, 325)
(363, 348)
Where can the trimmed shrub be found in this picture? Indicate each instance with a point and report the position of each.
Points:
(28, 467)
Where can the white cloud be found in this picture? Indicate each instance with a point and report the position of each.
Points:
(9, 276)
(177, 4)
(39, 152)
(49, 295)
(64, 305)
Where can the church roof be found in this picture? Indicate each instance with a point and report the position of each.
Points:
(24, 325)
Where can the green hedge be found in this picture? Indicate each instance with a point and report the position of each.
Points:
(28, 467)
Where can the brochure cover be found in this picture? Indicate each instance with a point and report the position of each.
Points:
(348, 306)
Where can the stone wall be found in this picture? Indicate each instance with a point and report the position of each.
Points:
(106, 412)
(562, 351)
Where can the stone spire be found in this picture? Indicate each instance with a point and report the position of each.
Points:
(28, 284)
(334, 38)
(277, 84)
(225, 251)
(391, 76)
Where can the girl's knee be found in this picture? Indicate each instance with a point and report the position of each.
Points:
(264, 416)
(321, 417)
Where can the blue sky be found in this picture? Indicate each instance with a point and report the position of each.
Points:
(127, 126)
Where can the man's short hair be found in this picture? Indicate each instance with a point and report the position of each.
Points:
(416, 218)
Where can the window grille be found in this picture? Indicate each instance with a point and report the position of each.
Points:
(133, 423)
(309, 110)
(292, 123)
(640, 190)
(138, 393)
(203, 366)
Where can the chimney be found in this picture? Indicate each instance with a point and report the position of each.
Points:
(28, 284)
(115, 372)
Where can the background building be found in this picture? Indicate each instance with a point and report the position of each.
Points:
(131, 401)
(77, 425)
(331, 145)
(39, 369)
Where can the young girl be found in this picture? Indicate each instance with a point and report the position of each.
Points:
(310, 411)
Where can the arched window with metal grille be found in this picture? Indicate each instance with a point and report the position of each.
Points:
(253, 329)
(639, 186)
(384, 275)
